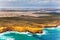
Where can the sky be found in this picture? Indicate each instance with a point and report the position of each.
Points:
(29, 3)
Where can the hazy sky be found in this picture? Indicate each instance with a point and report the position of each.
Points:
(29, 3)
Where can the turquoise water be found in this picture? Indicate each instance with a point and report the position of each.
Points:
(48, 34)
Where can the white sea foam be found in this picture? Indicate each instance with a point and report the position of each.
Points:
(26, 33)
(44, 33)
(10, 39)
(8, 32)
(29, 35)
(51, 28)
(58, 27)
(6, 38)
(14, 32)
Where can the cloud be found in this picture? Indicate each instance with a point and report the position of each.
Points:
(29, 3)
(11, 0)
(39, 1)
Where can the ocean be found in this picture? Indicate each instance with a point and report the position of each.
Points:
(48, 34)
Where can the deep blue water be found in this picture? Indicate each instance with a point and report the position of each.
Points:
(48, 34)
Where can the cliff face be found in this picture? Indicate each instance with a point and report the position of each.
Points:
(26, 21)
(23, 24)
(21, 29)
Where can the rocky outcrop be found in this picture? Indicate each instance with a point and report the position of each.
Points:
(21, 29)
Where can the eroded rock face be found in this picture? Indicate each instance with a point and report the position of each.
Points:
(32, 29)
(21, 29)
(24, 26)
(3, 29)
